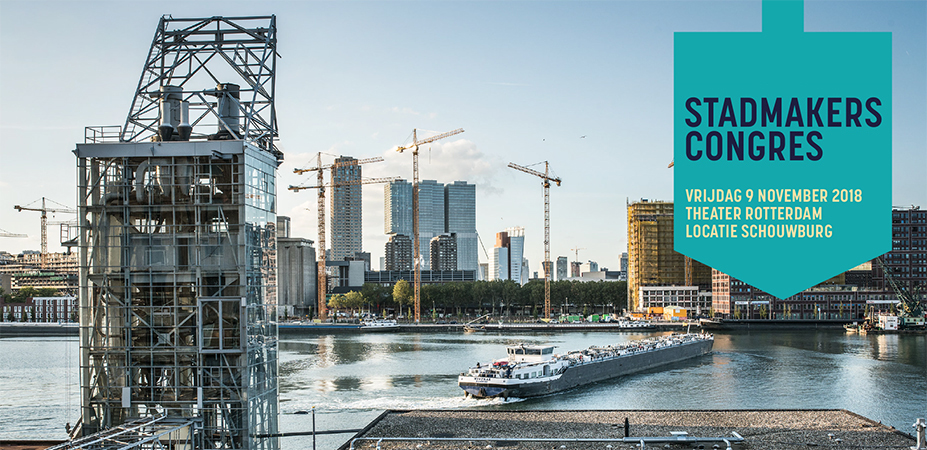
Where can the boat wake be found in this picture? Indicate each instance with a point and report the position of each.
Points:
(410, 403)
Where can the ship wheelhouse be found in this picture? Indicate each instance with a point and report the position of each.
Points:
(530, 353)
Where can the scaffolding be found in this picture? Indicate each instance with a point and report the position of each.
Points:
(652, 261)
(178, 242)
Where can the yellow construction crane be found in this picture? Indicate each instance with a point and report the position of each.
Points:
(321, 186)
(45, 210)
(417, 257)
(545, 181)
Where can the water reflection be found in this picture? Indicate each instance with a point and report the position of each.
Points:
(882, 377)
(351, 378)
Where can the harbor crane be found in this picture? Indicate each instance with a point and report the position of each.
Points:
(45, 210)
(909, 295)
(322, 283)
(545, 181)
(417, 255)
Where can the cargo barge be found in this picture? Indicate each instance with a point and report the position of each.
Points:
(533, 370)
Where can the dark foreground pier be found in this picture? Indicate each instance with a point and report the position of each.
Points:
(569, 430)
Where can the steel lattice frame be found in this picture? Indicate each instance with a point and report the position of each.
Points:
(185, 52)
(177, 244)
(178, 287)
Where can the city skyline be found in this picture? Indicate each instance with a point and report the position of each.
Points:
(594, 99)
(443, 209)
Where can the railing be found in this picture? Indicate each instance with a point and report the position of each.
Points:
(641, 442)
(102, 134)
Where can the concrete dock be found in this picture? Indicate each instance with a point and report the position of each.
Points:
(569, 430)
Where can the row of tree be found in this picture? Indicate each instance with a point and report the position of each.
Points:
(24, 294)
(498, 297)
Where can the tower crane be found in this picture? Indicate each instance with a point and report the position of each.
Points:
(45, 210)
(322, 283)
(545, 181)
(4, 233)
(417, 255)
(576, 252)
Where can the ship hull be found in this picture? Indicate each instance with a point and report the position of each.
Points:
(583, 374)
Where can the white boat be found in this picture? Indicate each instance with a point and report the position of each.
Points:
(380, 325)
(634, 324)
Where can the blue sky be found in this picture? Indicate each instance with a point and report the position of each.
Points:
(525, 80)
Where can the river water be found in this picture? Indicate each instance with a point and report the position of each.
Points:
(352, 378)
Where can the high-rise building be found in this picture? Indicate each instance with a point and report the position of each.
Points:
(444, 252)
(562, 264)
(398, 253)
(523, 273)
(460, 218)
(651, 258)
(589, 266)
(516, 253)
(624, 262)
(442, 209)
(906, 263)
(499, 265)
(574, 269)
(347, 218)
(508, 261)
(430, 216)
(397, 207)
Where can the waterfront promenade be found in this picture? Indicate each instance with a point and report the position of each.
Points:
(30, 329)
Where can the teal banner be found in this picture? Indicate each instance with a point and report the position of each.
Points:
(782, 150)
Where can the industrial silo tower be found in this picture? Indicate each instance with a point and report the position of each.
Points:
(177, 245)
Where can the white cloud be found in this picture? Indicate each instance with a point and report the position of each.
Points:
(445, 162)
